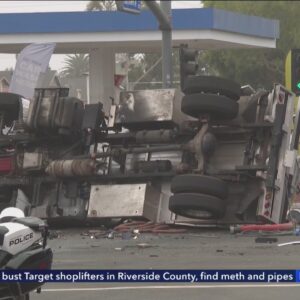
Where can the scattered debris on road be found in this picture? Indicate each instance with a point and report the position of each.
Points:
(111, 235)
(138, 246)
(54, 235)
(147, 227)
(119, 249)
(205, 236)
(144, 245)
(289, 243)
(269, 240)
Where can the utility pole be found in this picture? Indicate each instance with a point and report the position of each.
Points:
(167, 47)
(163, 14)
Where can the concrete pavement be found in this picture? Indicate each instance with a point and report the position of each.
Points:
(201, 249)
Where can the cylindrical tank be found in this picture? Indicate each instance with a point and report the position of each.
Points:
(71, 168)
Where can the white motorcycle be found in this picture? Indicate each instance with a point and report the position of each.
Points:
(22, 246)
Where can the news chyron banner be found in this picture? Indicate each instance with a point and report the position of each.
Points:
(31, 62)
(152, 276)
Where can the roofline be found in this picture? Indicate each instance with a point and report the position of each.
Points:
(147, 41)
(114, 21)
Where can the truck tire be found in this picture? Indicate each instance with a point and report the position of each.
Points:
(217, 106)
(197, 206)
(192, 183)
(212, 84)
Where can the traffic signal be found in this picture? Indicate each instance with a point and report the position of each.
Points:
(293, 71)
(188, 65)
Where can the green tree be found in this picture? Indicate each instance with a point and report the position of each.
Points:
(75, 65)
(258, 67)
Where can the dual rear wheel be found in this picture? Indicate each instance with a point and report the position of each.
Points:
(214, 96)
(198, 196)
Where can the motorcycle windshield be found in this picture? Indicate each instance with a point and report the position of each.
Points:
(4, 258)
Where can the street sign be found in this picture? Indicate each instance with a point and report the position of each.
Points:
(133, 6)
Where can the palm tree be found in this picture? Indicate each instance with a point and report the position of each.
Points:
(101, 5)
(75, 65)
(105, 5)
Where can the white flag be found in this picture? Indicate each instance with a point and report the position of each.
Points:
(32, 60)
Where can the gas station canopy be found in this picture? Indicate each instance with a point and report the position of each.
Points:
(104, 33)
(204, 28)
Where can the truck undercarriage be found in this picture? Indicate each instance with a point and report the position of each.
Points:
(215, 155)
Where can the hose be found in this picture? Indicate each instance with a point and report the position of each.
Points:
(148, 227)
(266, 227)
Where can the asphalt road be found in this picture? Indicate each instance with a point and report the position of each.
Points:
(193, 250)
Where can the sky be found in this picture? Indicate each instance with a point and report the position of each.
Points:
(57, 61)
(67, 5)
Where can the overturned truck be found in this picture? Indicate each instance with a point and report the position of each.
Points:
(214, 154)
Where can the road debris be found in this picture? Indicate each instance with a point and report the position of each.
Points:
(289, 243)
(144, 245)
(119, 249)
(111, 235)
(127, 235)
(54, 235)
(148, 227)
(205, 236)
(93, 234)
(131, 230)
(266, 240)
(85, 233)
(139, 246)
